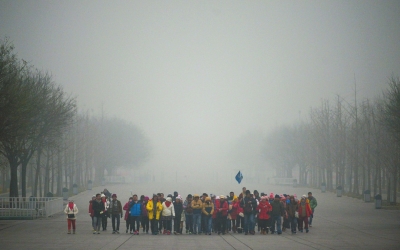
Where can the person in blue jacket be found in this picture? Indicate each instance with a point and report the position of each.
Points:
(135, 212)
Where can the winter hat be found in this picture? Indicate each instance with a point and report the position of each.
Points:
(217, 198)
(93, 196)
(303, 196)
(221, 197)
(178, 197)
(146, 198)
(196, 195)
(277, 196)
(102, 196)
(114, 195)
(169, 199)
(271, 195)
(208, 199)
(263, 198)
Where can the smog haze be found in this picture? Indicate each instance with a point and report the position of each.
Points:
(197, 76)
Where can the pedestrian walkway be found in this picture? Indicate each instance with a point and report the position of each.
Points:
(339, 223)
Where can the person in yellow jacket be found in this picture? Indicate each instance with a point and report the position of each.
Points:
(197, 206)
(154, 208)
(208, 211)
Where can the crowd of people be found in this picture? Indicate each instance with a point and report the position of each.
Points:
(205, 214)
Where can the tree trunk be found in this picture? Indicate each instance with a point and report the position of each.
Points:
(24, 166)
(52, 176)
(40, 186)
(35, 187)
(394, 188)
(46, 182)
(388, 190)
(59, 173)
(4, 179)
(14, 178)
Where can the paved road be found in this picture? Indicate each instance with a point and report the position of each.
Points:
(340, 223)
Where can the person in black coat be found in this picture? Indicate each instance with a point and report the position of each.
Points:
(178, 206)
(249, 205)
(98, 210)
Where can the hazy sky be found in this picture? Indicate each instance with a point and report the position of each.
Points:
(196, 75)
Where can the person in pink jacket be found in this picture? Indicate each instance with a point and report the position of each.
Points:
(263, 214)
(126, 218)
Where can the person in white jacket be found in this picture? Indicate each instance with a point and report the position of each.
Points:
(71, 210)
(106, 214)
(168, 213)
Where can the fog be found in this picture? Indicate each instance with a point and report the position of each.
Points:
(197, 76)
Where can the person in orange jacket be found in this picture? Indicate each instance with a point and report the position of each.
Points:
(304, 213)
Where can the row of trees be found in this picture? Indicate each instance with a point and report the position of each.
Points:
(45, 144)
(353, 145)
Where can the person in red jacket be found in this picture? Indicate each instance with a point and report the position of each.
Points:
(91, 212)
(214, 199)
(222, 213)
(263, 216)
(234, 212)
(126, 218)
(240, 217)
(304, 213)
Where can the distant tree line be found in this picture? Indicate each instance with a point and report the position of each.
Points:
(354, 145)
(45, 144)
